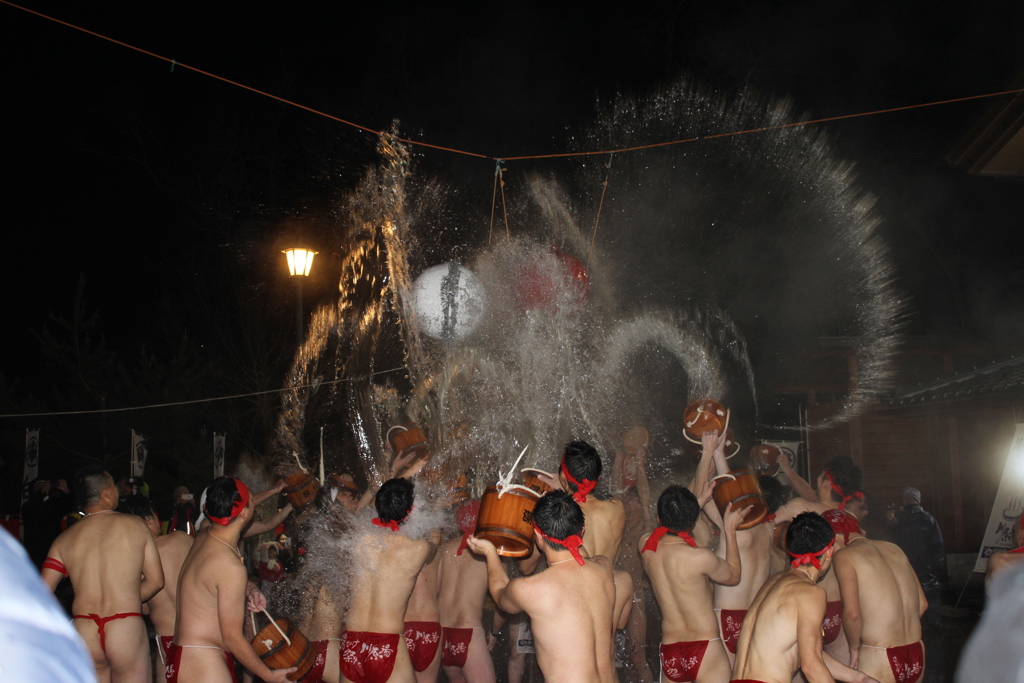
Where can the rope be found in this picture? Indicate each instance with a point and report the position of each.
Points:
(174, 63)
(494, 194)
(841, 117)
(600, 206)
(501, 183)
(198, 400)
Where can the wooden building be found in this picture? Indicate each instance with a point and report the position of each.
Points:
(945, 430)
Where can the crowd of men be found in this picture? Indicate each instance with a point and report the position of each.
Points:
(802, 595)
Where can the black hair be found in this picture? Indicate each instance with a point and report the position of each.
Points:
(809, 533)
(846, 475)
(678, 508)
(137, 505)
(775, 493)
(394, 500)
(221, 496)
(582, 462)
(89, 483)
(559, 516)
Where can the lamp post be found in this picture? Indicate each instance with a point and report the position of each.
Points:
(300, 261)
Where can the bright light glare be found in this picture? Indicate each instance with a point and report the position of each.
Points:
(300, 261)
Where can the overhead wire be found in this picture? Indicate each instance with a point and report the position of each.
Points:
(554, 155)
(201, 400)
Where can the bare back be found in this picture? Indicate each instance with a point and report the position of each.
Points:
(463, 586)
(679, 576)
(324, 620)
(571, 608)
(788, 608)
(105, 555)
(208, 568)
(383, 580)
(423, 601)
(606, 520)
(173, 549)
(114, 566)
(755, 546)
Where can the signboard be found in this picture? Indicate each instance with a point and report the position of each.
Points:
(1008, 506)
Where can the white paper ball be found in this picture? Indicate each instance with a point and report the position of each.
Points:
(449, 301)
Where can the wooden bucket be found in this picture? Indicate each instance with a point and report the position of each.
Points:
(703, 415)
(740, 488)
(277, 653)
(507, 522)
(764, 459)
(300, 488)
(406, 438)
(343, 482)
(532, 480)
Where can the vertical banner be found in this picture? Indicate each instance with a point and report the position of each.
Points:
(1008, 506)
(139, 454)
(218, 455)
(31, 469)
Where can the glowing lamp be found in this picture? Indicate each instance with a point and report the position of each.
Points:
(300, 261)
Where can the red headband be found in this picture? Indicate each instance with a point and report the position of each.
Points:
(813, 559)
(581, 489)
(655, 538)
(842, 523)
(236, 507)
(391, 524)
(572, 544)
(842, 494)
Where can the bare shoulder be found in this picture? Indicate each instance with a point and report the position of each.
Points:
(176, 540)
(131, 524)
(603, 562)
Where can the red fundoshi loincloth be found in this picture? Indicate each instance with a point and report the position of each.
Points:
(680, 662)
(906, 662)
(456, 646)
(422, 638)
(368, 657)
(732, 622)
(833, 621)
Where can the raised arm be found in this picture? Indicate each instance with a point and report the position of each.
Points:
(497, 579)
(727, 572)
(799, 484)
(263, 526)
(261, 496)
(643, 488)
(152, 570)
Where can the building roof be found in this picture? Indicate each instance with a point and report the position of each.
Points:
(1002, 377)
(994, 146)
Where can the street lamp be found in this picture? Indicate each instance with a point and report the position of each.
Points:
(300, 261)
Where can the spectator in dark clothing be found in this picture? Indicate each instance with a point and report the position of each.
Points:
(917, 533)
(182, 512)
(47, 503)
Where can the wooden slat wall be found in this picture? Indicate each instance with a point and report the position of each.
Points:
(955, 456)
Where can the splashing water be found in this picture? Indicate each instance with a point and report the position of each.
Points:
(702, 246)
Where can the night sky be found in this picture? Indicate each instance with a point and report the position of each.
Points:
(120, 170)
